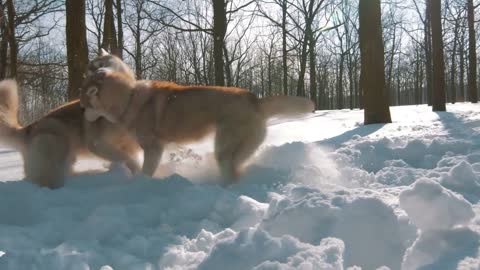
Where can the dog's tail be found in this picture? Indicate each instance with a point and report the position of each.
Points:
(285, 106)
(11, 133)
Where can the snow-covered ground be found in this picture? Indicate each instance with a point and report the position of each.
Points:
(324, 192)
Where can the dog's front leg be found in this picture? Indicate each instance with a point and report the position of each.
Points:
(109, 152)
(103, 148)
(152, 155)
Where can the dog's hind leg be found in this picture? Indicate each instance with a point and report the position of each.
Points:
(248, 145)
(234, 144)
(225, 142)
(152, 153)
(48, 160)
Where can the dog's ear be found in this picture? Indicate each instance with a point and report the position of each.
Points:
(103, 52)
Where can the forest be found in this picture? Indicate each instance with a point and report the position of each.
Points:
(332, 51)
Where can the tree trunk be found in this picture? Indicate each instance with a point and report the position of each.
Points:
(12, 40)
(313, 73)
(227, 65)
(321, 88)
(77, 52)
(138, 52)
(453, 95)
(356, 81)
(390, 91)
(284, 47)
(372, 79)
(119, 52)
(303, 56)
(270, 69)
(303, 66)
(340, 82)
(262, 78)
(438, 94)
(399, 86)
(3, 43)
(351, 85)
(219, 31)
(420, 90)
(417, 81)
(472, 55)
(109, 41)
(196, 65)
(461, 80)
(428, 52)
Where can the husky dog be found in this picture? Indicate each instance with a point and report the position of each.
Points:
(158, 113)
(50, 145)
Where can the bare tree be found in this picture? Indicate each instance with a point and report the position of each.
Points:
(428, 50)
(219, 31)
(119, 52)
(427, 45)
(3, 42)
(438, 94)
(240, 41)
(456, 20)
(143, 30)
(17, 19)
(309, 11)
(12, 41)
(109, 41)
(95, 11)
(472, 55)
(372, 58)
(461, 52)
(77, 52)
(216, 26)
(282, 24)
(44, 80)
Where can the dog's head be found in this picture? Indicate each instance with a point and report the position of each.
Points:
(106, 61)
(100, 68)
(106, 94)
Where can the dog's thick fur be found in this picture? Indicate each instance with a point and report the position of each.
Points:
(108, 62)
(50, 146)
(158, 113)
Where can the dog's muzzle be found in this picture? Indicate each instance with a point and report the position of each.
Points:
(87, 95)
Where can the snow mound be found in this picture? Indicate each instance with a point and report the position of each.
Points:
(374, 155)
(432, 207)
(442, 217)
(252, 249)
(48, 229)
(462, 179)
(366, 224)
(441, 249)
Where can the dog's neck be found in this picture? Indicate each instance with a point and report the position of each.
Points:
(129, 114)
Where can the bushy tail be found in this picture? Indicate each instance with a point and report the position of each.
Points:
(10, 130)
(285, 106)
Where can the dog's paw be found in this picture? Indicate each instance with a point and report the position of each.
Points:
(134, 167)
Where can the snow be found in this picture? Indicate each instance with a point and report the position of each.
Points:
(323, 192)
(433, 207)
